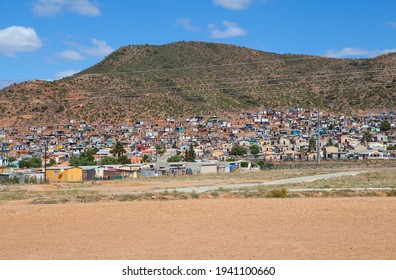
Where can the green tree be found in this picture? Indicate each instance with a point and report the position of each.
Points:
(31, 163)
(175, 158)
(385, 125)
(367, 137)
(161, 148)
(254, 149)
(124, 159)
(330, 143)
(36, 162)
(77, 161)
(24, 163)
(85, 159)
(118, 150)
(190, 154)
(146, 158)
(108, 161)
(51, 162)
(312, 145)
(238, 151)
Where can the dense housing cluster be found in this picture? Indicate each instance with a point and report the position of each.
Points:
(198, 144)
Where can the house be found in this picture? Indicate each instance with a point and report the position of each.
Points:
(329, 151)
(3, 161)
(376, 155)
(64, 174)
(88, 172)
(112, 174)
(288, 155)
(130, 170)
(107, 171)
(33, 177)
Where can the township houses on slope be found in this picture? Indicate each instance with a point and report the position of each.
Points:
(288, 135)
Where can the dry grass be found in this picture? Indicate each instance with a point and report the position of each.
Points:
(384, 178)
(98, 192)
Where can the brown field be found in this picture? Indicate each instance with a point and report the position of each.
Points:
(234, 228)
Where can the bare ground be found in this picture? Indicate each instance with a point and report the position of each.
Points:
(235, 228)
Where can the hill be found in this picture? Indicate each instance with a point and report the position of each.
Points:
(185, 78)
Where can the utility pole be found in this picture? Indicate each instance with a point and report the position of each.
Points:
(45, 161)
(318, 140)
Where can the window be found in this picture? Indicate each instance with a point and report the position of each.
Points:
(56, 173)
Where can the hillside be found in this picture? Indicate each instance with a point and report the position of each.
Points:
(184, 78)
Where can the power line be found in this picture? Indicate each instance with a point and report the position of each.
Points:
(238, 82)
(208, 66)
(136, 95)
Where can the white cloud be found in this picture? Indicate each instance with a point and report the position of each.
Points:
(233, 4)
(100, 48)
(66, 73)
(186, 24)
(54, 7)
(72, 55)
(77, 51)
(392, 24)
(232, 30)
(5, 83)
(353, 52)
(16, 39)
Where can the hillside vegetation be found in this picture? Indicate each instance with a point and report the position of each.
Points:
(185, 78)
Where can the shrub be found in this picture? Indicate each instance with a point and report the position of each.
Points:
(11, 181)
(267, 165)
(278, 193)
(195, 195)
(238, 150)
(215, 194)
(175, 158)
(244, 164)
(124, 197)
(391, 193)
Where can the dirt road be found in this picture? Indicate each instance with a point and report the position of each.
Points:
(269, 183)
(305, 228)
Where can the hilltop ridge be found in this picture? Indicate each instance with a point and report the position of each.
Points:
(184, 78)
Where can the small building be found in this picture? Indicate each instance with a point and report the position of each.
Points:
(64, 174)
(329, 151)
(88, 172)
(112, 174)
(3, 161)
(11, 176)
(130, 170)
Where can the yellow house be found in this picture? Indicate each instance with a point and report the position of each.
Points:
(64, 174)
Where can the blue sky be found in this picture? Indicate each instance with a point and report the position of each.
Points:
(49, 39)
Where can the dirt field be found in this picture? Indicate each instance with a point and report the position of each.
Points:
(237, 228)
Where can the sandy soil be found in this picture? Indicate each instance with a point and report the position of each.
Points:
(173, 182)
(305, 228)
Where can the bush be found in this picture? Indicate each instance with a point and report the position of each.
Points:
(244, 164)
(10, 181)
(214, 193)
(238, 151)
(254, 149)
(278, 193)
(194, 195)
(267, 165)
(391, 192)
(30, 163)
(175, 159)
